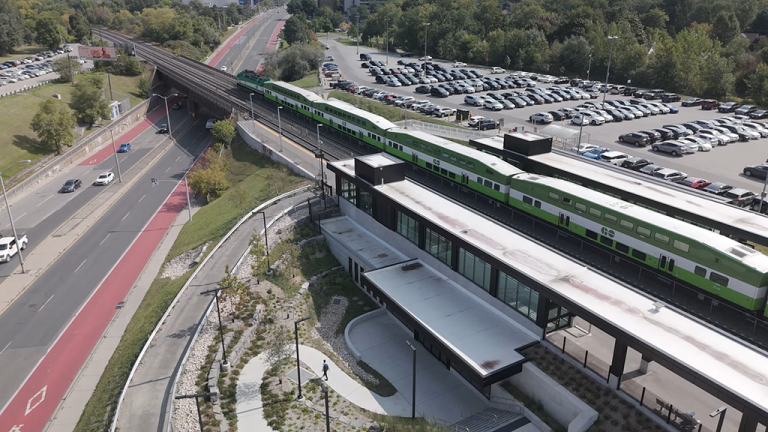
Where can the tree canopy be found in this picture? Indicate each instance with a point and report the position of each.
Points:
(54, 125)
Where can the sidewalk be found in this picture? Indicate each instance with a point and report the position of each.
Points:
(146, 406)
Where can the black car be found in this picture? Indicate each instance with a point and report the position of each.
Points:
(616, 114)
(728, 107)
(692, 102)
(423, 89)
(652, 135)
(486, 123)
(177, 106)
(369, 92)
(439, 92)
(670, 97)
(757, 171)
(71, 185)
(340, 83)
(638, 139)
(629, 91)
(380, 79)
(558, 115)
(635, 163)
(163, 129)
(406, 54)
(759, 114)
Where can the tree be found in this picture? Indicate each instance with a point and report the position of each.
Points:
(725, 27)
(87, 103)
(54, 125)
(49, 32)
(79, 27)
(208, 178)
(291, 259)
(718, 78)
(223, 132)
(66, 67)
(574, 56)
(279, 347)
(144, 87)
(655, 18)
(237, 293)
(760, 23)
(241, 199)
(11, 30)
(296, 30)
(757, 85)
(258, 252)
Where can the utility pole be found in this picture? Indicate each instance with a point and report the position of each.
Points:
(426, 29)
(589, 67)
(608, 71)
(357, 31)
(387, 20)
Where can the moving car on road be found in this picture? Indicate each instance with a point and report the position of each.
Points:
(757, 171)
(9, 248)
(71, 185)
(104, 179)
(124, 147)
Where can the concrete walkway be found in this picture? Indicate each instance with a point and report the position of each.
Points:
(146, 402)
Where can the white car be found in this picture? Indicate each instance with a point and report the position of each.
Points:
(425, 58)
(105, 179)
(474, 120)
(614, 157)
(497, 70)
(209, 124)
(493, 105)
(587, 118)
(608, 118)
(9, 248)
(541, 117)
(458, 64)
(699, 144)
(583, 148)
(756, 128)
(224, 68)
(402, 101)
(394, 83)
(711, 137)
(725, 132)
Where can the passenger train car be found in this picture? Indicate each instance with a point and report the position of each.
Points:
(692, 255)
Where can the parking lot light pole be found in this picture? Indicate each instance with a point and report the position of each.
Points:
(215, 291)
(167, 113)
(357, 32)
(589, 67)
(387, 20)
(298, 363)
(320, 148)
(426, 29)
(327, 417)
(608, 71)
(280, 127)
(266, 238)
(10, 216)
(250, 97)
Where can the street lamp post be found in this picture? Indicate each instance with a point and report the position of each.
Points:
(167, 113)
(589, 68)
(327, 417)
(10, 215)
(250, 96)
(387, 20)
(426, 29)
(298, 363)
(280, 127)
(357, 32)
(197, 403)
(413, 394)
(322, 171)
(224, 363)
(114, 151)
(608, 71)
(266, 239)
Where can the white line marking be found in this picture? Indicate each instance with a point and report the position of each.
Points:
(19, 217)
(177, 159)
(42, 398)
(169, 168)
(46, 302)
(142, 197)
(41, 202)
(126, 215)
(81, 264)
(105, 238)
(6, 347)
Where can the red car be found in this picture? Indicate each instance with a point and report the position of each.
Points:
(710, 104)
(696, 183)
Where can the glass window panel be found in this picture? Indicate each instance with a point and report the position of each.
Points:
(581, 207)
(523, 298)
(534, 305)
(643, 231)
(627, 224)
(610, 218)
(661, 238)
(680, 245)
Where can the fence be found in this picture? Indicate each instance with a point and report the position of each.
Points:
(680, 420)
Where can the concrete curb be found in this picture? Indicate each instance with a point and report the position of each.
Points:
(356, 321)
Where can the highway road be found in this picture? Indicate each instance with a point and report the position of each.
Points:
(33, 323)
(41, 212)
(262, 31)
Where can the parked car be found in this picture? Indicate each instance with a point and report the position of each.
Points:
(595, 153)
(681, 131)
(758, 114)
(650, 169)
(485, 124)
(587, 118)
(674, 148)
(710, 104)
(583, 148)
(746, 109)
(474, 120)
(740, 197)
(614, 157)
(541, 117)
(458, 64)
(757, 171)
(696, 183)
(718, 188)
(666, 134)
(365, 57)
(104, 179)
(497, 70)
(698, 144)
(728, 107)
(670, 97)
(652, 135)
(71, 185)
(124, 148)
(692, 102)
(638, 139)
(635, 163)
(670, 175)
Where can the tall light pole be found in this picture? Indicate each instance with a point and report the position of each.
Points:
(250, 96)
(197, 403)
(413, 394)
(280, 127)
(215, 291)
(114, 151)
(298, 362)
(266, 237)
(608, 71)
(589, 67)
(387, 20)
(10, 216)
(327, 416)
(426, 29)
(167, 113)
(320, 157)
(357, 31)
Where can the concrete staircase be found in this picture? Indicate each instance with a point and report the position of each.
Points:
(491, 420)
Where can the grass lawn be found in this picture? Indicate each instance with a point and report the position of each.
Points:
(389, 112)
(22, 52)
(262, 178)
(308, 81)
(18, 141)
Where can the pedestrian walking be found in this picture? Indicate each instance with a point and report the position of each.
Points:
(325, 370)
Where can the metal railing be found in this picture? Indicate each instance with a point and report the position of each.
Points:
(581, 355)
(446, 131)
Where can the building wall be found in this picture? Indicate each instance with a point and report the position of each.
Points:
(409, 249)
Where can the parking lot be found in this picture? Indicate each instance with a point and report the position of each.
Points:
(10, 80)
(721, 164)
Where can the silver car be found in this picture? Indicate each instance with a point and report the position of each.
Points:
(713, 137)
(732, 137)
(756, 128)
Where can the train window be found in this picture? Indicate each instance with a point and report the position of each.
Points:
(606, 241)
(591, 234)
(627, 224)
(445, 155)
(554, 196)
(431, 149)
(462, 161)
(700, 271)
(497, 187)
(443, 171)
(487, 183)
(470, 164)
(595, 212)
(610, 218)
(422, 146)
(621, 247)
(537, 204)
(581, 207)
(718, 279)
(451, 175)
(680, 245)
(643, 231)
(409, 141)
(429, 165)
(567, 201)
(480, 180)
(489, 172)
(661, 238)
(639, 255)
(528, 200)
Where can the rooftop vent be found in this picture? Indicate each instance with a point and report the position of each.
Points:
(412, 266)
(382, 255)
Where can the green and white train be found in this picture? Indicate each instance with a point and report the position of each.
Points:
(692, 255)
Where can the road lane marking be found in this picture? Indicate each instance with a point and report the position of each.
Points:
(46, 302)
(41, 202)
(105, 238)
(81, 264)
(6, 347)
(41, 393)
(126, 215)
(19, 217)
(169, 168)
(177, 159)
(142, 197)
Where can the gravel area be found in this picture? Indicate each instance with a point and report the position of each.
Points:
(326, 329)
(178, 266)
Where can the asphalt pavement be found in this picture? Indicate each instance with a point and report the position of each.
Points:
(42, 312)
(39, 214)
(260, 34)
(724, 164)
(29, 82)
